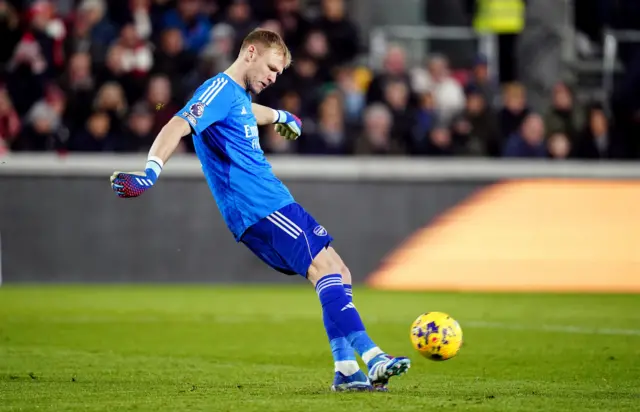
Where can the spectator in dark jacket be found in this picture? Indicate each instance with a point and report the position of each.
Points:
(529, 142)
(514, 109)
(79, 85)
(394, 68)
(440, 142)
(475, 130)
(172, 60)
(138, 134)
(44, 130)
(295, 26)
(9, 30)
(396, 98)
(331, 135)
(426, 118)
(564, 115)
(597, 140)
(342, 33)
(97, 135)
(192, 22)
(239, 18)
(92, 30)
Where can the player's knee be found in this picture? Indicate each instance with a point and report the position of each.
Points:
(344, 270)
(346, 275)
(324, 264)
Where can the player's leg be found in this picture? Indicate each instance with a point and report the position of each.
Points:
(347, 370)
(344, 271)
(287, 240)
(344, 355)
(291, 241)
(333, 297)
(324, 274)
(380, 366)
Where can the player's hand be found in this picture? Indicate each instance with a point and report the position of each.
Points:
(288, 125)
(132, 184)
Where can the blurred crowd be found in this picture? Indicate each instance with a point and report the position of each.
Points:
(106, 75)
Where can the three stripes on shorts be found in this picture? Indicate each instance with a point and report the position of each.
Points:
(286, 224)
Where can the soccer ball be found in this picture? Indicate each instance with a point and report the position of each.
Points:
(436, 336)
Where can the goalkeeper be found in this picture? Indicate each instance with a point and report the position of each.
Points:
(258, 208)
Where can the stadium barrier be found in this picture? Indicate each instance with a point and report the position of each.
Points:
(416, 224)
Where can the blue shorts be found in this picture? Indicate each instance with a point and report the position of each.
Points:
(287, 240)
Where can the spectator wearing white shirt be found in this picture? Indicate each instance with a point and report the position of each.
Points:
(436, 79)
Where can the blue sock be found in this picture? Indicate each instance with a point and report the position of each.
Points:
(344, 358)
(348, 289)
(343, 354)
(338, 308)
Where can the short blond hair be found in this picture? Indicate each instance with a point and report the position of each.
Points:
(270, 40)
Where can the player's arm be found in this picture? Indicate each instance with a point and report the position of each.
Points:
(133, 184)
(264, 115)
(286, 124)
(210, 104)
(169, 138)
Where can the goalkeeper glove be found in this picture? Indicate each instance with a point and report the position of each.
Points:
(133, 184)
(288, 125)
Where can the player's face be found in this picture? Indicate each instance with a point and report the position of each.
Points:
(264, 69)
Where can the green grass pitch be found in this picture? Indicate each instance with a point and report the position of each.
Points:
(208, 348)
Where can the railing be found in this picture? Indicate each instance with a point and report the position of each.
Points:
(381, 36)
(330, 168)
(611, 39)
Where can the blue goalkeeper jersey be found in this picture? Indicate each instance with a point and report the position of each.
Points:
(225, 136)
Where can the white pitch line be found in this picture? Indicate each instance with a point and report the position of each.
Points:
(281, 318)
(551, 328)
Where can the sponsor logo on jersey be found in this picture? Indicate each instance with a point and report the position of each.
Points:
(251, 131)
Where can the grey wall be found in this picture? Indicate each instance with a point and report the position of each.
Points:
(65, 229)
